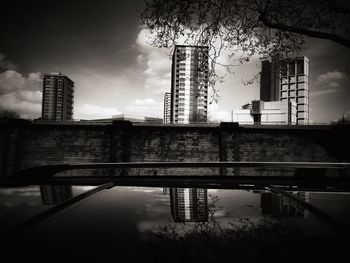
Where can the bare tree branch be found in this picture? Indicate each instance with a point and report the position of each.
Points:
(311, 33)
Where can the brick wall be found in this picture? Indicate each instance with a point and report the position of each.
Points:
(24, 145)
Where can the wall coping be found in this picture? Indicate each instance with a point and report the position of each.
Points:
(128, 124)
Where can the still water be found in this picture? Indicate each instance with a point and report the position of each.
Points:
(173, 225)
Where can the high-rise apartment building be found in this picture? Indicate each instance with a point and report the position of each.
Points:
(287, 80)
(167, 107)
(189, 84)
(189, 204)
(58, 94)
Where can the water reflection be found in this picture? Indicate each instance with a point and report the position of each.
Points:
(54, 194)
(181, 224)
(166, 191)
(277, 205)
(189, 204)
(228, 224)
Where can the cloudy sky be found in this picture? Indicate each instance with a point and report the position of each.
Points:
(104, 49)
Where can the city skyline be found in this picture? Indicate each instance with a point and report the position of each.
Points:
(116, 71)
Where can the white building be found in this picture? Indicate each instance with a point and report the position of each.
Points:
(189, 84)
(287, 80)
(167, 107)
(267, 113)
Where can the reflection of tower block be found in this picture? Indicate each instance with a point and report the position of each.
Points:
(304, 196)
(277, 205)
(166, 191)
(54, 194)
(189, 204)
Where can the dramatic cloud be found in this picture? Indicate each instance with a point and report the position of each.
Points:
(21, 94)
(216, 115)
(88, 111)
(331, 76)
(25, 109)
(147, 107)
(328, 83)
(157, 63)
(11, 81)
(324, 92)
(145, 102)
(6, 64)
(23, 196)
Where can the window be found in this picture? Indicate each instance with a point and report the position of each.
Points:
(302, 107)
(283, 68)
(301, 85)
(300, 100)
(300, 66)
(301, 93)
(302, 114)
(301, 78)
(291, 68)
(291, 79)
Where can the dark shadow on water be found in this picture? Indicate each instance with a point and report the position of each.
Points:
(197, 234)
(274, 238)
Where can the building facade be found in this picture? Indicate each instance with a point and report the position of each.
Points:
(58, 95)
(167, 107)
(267, 113)
(287, 80)
(189, 84)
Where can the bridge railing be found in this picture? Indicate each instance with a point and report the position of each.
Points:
(48, 175)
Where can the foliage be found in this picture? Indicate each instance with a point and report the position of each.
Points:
(4, 114)
(212, 242)
(246, 27)
(245, 240)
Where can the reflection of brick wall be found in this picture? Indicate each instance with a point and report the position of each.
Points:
(26, 145)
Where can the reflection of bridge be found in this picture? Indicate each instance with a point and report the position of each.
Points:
(49, 170)
(306, 179)
(45, 175)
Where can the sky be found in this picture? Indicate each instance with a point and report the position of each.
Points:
(103, 47)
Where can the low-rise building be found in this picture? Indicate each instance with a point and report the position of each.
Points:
(267, 113)
(124, 117)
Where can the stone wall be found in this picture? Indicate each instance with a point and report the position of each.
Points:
(24, 145)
